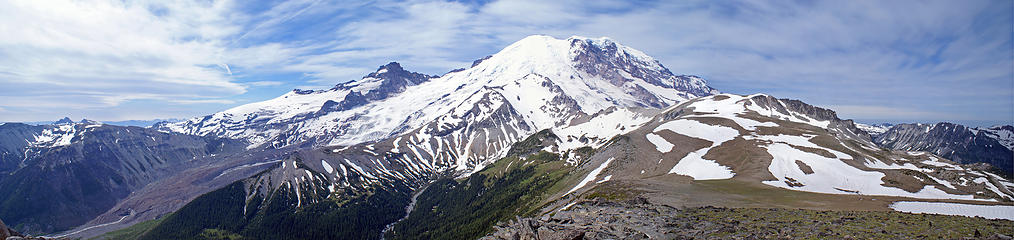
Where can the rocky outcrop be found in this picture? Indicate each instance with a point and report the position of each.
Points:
(6, 232)
(389, 80)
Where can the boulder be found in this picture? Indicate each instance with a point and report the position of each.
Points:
(6, 232)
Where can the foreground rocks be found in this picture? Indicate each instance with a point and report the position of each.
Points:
(641, 220)
(7, 233)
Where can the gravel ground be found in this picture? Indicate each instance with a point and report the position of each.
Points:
(638, 219)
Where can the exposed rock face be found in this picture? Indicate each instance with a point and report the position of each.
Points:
(1003, 134)
(795, 110)
(621, 65)
(953, 141)
(65, 120)
(388, 80)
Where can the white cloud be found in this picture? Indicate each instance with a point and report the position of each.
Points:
(103, 53)
(202, 101)
(264, 83)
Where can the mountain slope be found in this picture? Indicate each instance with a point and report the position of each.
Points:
(303, 115)
(789, 144)
(956, 142)
(292, 201)
(69, 173)
(286, 202)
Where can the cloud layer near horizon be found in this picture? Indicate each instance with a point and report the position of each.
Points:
(110, 60)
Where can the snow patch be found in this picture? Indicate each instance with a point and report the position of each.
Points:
(833, 176)
(956, 209)
(694, 164)
(591, 176)
(660, 143)
(327, 167)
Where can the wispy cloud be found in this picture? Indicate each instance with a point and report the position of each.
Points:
(67, 55)
(265, 83)
(201, 101)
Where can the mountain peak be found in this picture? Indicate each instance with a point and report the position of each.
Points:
(390, 69)
(65, 120)
(602, 60)
(91, 122)
(391, 66)
(600, 41)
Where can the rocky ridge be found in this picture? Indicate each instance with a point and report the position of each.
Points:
(955, 142)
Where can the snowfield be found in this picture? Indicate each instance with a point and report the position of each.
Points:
(694, 164)
(832, 175)
(956, 209)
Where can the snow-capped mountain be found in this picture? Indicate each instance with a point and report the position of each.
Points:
(587, 89)
(20, 143)
(318, 117)
(953, 141)
(474, 115)
(548, 82)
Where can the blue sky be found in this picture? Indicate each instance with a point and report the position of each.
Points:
(899, 61)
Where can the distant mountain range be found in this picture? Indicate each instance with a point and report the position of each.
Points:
(132, 123)
(993, 145)
(534, 129)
